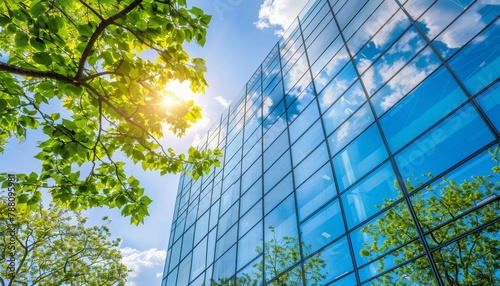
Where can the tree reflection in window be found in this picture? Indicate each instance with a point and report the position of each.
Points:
(461, 225)
(279, 255)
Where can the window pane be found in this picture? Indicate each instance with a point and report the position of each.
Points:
(277, 171)
(359, 157)
(303, 121)
(434, 98)
(310, 164)
(473, 258)
(337, 259)
(322, 228)
(343, 107)
(250, 219)
(351, 128)
(452, 140)
(315, 192)
(478, 64)
(369, 196)
(278, 193)
(249, 245)
(383, 234)
(403, 82)
(393, 60)
(224, 267)
(490, 102)
(307, 142)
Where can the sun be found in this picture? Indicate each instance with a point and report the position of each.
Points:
(176, 91)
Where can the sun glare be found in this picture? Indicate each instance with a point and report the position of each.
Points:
(175, 91)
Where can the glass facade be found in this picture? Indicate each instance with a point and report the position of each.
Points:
(361, 152)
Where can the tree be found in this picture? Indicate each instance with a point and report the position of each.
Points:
(279, 255)
(52, 246)
(472, 260)
(92, 75)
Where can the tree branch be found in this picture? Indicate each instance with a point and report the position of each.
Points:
(35, 73)
(98, 32)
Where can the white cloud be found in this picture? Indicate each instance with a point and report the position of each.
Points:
(279, 13)
(137, 261)
(224, 102)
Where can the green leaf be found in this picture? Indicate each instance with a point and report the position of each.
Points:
(21, 39)
(42, 58)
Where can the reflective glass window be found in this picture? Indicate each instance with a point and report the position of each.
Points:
(337, 260)
(389, 33)
(416, 7)
(250, 245)
(359, 121)
(227, 220)
(302, 84)
(175, 254)
(327, 62)
(490, 102)
(229, 197)
(184, 270)
(474, 257)
(226, 241)
(390, 260)
(369, 195)
(452, 140)
(478, 63)
(187, 241)
(345, 280)
(315, 192)
(307, 143)
(253, 194)
(361, 17)
(253, 173)
(214, 214)
(252, 273)
(274, 131)
(458, 34)
(393, 60)
(303, 121)
(359, 157)
(322, 228)
(417, 272)
(296, 105)
(199, 252)
(274, 97)
(277, 171)
(248, 220)
(467, 187)
(368, 29)
(348, 11)
(312, 22)
(383, 234)
(201, 227)
(312, 163)
(404, 81)
(440, 15)
(345, 77)
(275, 150)
(278, 193)
(224, 267)
(321, 38)
(280, 229)
(434, 99)
(211, 246)
(343, 107)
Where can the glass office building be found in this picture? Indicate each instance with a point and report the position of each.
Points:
(361, 152)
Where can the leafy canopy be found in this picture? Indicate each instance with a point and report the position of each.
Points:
(92, 75)
(52, 246)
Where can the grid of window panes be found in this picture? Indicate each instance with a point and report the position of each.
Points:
(343, 149)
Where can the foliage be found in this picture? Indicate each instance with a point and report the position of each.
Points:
(54, 247)
(442, 210)
(92, 76)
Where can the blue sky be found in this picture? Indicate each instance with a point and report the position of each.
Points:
(241, 34)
